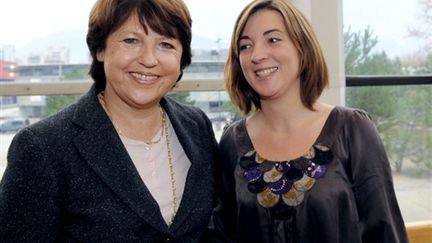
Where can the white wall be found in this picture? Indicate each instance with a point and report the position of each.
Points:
(327, 20)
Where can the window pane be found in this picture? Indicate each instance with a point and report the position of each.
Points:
(395, 42)
(392, 39)
(403, 117)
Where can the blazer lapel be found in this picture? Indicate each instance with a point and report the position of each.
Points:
(193, 180)
(103, 150)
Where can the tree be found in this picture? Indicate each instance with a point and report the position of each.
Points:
(419, 113)
(423, 28)
(414, 127)
(379, 102)
(55, 103)
(182, 97)
(402, 113)
(361, 60)
(416, 119)
(360, 57)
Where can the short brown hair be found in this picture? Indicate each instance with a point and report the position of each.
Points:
(313, 70)
(167, 17)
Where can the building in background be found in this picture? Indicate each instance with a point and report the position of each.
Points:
(7, 53)
(56, 55)
(8, 73)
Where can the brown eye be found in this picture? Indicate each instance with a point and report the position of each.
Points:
(243, 47)
(167, 45)
(274, 40)
(130, 41)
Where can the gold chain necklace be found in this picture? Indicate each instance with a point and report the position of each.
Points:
(101, 99)
(167, 140)
(171, 168)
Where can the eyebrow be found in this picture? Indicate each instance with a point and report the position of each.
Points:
(270, 31)
(265, 33)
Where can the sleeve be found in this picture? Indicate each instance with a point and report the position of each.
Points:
(378, 210)
(29, 209)
(222, 226)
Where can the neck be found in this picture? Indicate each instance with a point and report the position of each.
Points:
(282, 113)
(138, 124)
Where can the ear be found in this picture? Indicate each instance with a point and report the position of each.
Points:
(100, 55)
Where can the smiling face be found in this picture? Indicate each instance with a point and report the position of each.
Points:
(268, 58)
(140, 67)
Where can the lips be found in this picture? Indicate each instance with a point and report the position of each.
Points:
(265, 72)
(144, 77)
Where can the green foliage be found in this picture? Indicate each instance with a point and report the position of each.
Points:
(54, 104)
(402, 113)
(76, 74)
(412, 128)
(358, 47)
(182, 97)
(424, 67)
(360, 58)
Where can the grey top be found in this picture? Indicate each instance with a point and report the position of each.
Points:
(341, 191)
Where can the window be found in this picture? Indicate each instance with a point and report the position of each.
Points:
(386, 66)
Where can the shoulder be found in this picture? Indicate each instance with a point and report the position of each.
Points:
(356, 123)
(347, 122)
(351, 117)
(52, 125)
(83, 112)
(233, 134)
(233, 128)
(33, 145)
(63, 125)
(52, 132)
(350, 113)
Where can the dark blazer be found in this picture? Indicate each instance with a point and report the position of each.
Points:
(70, 179)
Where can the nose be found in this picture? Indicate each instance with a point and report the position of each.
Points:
(259, 53)
(147, 57)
